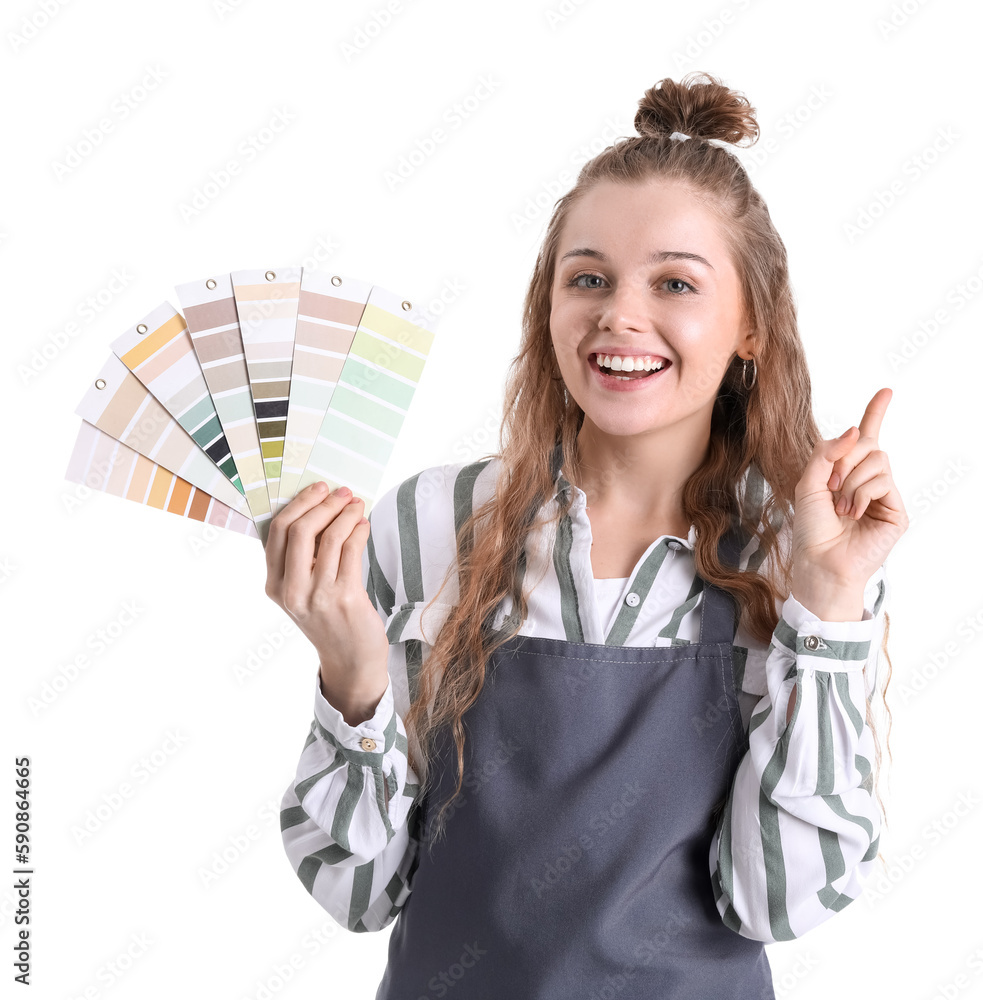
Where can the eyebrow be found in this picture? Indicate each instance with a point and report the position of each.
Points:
(657, 258)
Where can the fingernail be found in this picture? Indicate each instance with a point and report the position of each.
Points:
(343, 491)
(834, 482)
(841, 505)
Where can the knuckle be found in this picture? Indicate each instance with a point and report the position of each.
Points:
(294, 602)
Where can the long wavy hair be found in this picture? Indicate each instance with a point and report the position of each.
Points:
(767, 431)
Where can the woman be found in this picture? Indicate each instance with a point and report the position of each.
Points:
(657, 610)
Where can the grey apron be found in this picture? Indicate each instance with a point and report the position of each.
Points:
(575, 862)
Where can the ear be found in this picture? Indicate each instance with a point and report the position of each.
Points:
(747, 345)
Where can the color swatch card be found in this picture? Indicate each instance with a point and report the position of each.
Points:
(272, 379)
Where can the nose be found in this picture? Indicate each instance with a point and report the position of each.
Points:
(627, 308)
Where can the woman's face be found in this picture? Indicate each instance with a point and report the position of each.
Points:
(642, 270)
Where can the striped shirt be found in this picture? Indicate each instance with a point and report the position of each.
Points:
(799, 832)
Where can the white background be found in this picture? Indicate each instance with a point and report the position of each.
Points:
(107, 225)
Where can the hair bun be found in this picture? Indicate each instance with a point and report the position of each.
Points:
(699, 105)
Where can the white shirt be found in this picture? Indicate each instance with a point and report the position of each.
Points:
(801, 826)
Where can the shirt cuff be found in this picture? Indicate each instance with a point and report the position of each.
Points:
(836, 645)
(362, 744)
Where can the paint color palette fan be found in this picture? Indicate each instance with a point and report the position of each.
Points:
(269, 381)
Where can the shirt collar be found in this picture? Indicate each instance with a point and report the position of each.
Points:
(580, 501)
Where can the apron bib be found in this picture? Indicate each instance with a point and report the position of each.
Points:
(575, 860)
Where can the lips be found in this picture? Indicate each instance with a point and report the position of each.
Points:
(628, 381)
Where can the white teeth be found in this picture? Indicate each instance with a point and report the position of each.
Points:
(626, 364)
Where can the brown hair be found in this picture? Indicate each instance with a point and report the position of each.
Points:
(768, 431)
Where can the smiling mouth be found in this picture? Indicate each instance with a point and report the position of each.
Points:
(626, 375)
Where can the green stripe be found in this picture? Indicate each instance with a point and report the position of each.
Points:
(723, 877)
(880, 598)
(378, 587)
(309, 867)
(569, 601)
(640, 585)
(671, 629)
(293, 816)
(835, 868)
(303, 787)
(464, 494)
(771, 836)
(843, 688)
(361, 893)
(836, 649)
(342, 819)
(409, 539)
(826, 766)
(836, 804)
(413, 650)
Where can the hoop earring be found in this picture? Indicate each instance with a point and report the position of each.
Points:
(754, 377)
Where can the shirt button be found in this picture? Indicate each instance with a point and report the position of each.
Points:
(674, 545)
(812, 642)
(632, 600)
(367, 743)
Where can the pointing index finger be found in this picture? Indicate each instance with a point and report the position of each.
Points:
(870, 425)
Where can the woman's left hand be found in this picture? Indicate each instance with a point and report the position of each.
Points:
(848, 511)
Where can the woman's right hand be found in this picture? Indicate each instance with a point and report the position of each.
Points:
(314, 572)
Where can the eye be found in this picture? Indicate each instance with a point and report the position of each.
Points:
(576, 279)
(679, 281)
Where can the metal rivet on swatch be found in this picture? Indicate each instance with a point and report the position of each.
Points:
(100, 383)
(142, 328)
(271, 275)
(335, 280)
(407, 305)
(210, 283)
